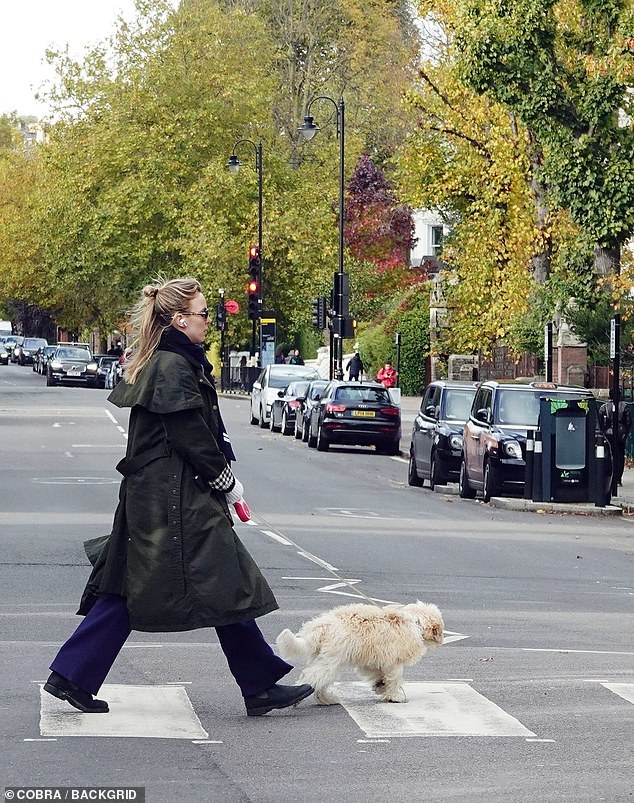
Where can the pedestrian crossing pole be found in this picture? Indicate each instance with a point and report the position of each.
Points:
(615, 355)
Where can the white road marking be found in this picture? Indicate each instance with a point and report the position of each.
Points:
(624, 690)
(206, 741)
(98, 445)
(56, 425)
(547, 741)
(280, 539)
(433, 709)
(399, 459)
(155, 712)
(110, 416)
(39, 740)
(582, 652)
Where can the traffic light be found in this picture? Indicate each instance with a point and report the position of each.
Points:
(254, 286)
(319, 313)
(221, 317)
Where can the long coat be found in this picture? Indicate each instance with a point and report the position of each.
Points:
(173, 553)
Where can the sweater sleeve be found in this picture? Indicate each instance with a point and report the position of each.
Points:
(189, 436)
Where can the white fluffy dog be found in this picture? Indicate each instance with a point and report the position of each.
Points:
(377, 642)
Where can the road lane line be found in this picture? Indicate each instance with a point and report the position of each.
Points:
(279, 538)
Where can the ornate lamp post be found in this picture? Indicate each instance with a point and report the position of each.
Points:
(234, 165)
(308, 131)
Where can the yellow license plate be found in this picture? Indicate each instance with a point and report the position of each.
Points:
(364, 413)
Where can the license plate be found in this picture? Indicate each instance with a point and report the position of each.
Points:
(73, 373)
(364, 413)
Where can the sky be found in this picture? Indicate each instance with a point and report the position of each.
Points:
(29, 27)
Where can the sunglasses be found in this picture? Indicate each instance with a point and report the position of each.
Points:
(204, 314)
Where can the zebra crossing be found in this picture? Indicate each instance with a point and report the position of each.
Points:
(434, 709)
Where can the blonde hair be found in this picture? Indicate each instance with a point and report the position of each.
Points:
(153, 314)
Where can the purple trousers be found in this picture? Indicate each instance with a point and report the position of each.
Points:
(85, 659)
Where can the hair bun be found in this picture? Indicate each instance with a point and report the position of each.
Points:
(150, 291)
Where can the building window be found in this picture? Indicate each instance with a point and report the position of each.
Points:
(436, 241)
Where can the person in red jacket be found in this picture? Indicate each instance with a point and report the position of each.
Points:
(387, 375)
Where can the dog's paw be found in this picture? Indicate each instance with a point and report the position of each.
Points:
(395, 696)
(378, 687)
(326, 698)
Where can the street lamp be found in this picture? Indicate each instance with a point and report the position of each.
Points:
(234, 166)
(308, 131)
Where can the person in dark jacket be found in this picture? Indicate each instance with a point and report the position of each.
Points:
(355, 366)
(624, 425)
(173, 561)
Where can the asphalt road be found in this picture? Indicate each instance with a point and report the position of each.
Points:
(530, 699)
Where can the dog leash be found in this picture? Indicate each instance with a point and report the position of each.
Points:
(328, 567)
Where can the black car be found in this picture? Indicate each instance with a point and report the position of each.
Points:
(104, 361)
(284, 408)
(302, 417)
(41, 358)
(25, 351)
(71, 364)
(356, 413)
(494, 437)
(436, 444)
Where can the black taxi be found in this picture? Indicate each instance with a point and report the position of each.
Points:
(494, 436)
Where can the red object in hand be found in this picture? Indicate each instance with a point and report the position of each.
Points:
(242, 509)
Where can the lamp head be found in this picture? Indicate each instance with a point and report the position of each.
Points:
(233, 164)
(308, 129)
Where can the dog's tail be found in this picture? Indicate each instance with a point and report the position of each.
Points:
(292, 647)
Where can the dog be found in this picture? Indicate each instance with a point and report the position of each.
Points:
(377, 642)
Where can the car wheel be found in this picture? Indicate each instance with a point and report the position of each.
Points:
(322, 441)
(489, 484)
(274, 427)
(254, 420)
(298, 431)
(312, 439)
(305, 429)
(412, 475)
(465, 491)
(435, 474)
(263, 422)
(286, 430)
(49, 380)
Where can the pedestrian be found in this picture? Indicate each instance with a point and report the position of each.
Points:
(355, 366)
(243, 372)
(173, 561)
(280, 357)
(116, 350)
(387, 375)
(295, 358)
(624, 425)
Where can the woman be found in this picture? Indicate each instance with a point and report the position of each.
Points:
(173, 561)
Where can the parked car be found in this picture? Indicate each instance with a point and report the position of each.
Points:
(4, 351)
(272, 379)
(436, 446)
(41, 358)
(285, 406)
(104, 361)
(71, 363)
(302, 416)
(356, 413)
(494, 436)
(25, 351)
(10, 344)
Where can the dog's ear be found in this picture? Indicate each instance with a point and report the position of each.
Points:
(436, 631)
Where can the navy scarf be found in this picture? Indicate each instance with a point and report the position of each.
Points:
(178, 343)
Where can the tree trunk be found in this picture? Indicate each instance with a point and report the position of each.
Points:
(606, 260)
(541, 259)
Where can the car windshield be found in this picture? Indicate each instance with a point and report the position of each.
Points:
(34, 343)
(296, 388)
(282, 380)
(458, 404)
(73, 354)
(316, 389)
(521, 408)
(361, 394)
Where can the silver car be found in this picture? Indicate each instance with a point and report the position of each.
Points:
(271, 380)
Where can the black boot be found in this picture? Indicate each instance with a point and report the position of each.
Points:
(276, 697)
(63, 689)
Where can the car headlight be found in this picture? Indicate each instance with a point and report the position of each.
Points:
(455, 441)
(56, 365)
(513, 449)
(26, 353)
(92, 367)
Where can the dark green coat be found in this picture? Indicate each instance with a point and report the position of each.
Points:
(173, 552)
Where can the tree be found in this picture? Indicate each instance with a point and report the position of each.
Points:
(563, 67)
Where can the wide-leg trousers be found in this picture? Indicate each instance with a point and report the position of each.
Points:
(86, 658)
